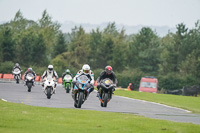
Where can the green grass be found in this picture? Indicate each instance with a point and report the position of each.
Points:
(20, 118)
(185, 102)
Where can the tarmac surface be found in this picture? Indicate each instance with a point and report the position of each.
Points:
(17, 93)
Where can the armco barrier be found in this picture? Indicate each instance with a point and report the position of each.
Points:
(1, 75)
(60, 80)
(7, 76)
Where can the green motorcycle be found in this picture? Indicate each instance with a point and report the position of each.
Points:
(67, 83)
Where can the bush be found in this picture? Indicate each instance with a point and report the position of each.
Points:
(6, 67)
(129, 76)
(174, 81)
(170, 81)
(97, 72)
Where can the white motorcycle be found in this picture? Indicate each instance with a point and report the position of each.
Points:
(29, 81)
(49, 86)
(17, 74)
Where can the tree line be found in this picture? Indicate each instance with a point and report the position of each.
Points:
(174, 59)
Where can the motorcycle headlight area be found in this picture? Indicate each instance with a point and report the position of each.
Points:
(29, 78)
(80, 86)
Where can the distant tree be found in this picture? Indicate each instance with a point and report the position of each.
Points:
(7, 45)
(79, 46)
(49, 31)
(145, 51)
(120, 49)
(39, 51)
(96, 42)
(60, 45)
(19, 23)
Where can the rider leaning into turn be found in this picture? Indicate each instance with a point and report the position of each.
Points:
(67, 72)
(107, 73)
(49, 72)
(30, 70)
(86, 71)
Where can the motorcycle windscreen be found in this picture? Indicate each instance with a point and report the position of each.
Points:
(16, 71)
(68, 78)
(83, 79)
(29, 76)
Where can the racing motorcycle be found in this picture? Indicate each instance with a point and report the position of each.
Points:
(67, 83)
(105, 92)
(29, 81)
(81, 91)
(49, 86)
(17, 75)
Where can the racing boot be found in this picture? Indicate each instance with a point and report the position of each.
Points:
(54, 91)
(97, 93)
(113, 90)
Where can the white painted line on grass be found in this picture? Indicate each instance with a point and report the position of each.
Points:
(155, 103)
(4, 100)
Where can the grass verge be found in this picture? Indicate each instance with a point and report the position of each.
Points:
(20, 118)
(185, 102)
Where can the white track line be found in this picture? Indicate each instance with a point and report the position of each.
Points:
(4, 100)
(154, 103)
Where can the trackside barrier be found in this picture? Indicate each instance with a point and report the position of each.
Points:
(22, 76)
(7, 76)
(1, 75)
(95, 83)
(37, 78)
(60, 80)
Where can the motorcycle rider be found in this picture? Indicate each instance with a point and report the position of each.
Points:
(67, 72)
(30, 70)
(50, 72)
(107, 73)
(85, 71)
(17, 66)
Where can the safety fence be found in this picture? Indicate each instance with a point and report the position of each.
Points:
(9, 77)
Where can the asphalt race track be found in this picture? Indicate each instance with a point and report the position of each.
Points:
(17, 93)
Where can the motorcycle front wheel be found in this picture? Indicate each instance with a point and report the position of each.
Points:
(29, 86)
(48, 92)
(105, 99)
(67, 88)
(80, 100)
(17, 81)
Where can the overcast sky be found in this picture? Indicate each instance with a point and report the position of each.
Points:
(127, 12)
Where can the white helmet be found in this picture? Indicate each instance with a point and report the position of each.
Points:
(86, 68)
(50, 68)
